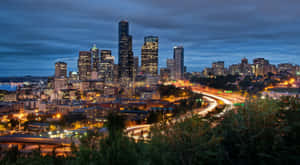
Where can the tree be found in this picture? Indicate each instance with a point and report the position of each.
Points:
(115, 125)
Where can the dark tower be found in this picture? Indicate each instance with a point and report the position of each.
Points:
(125, 53)
(179, 61)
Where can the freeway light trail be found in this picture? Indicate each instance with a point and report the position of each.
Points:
(212, 99)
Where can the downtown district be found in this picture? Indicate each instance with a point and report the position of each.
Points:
(84, 98)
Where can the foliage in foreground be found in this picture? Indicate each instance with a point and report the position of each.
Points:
(261, 132)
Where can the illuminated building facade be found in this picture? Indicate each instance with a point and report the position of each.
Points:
(218, 68)
(60, 76)
(164, 74)
(261, 66)
(136, 68)
(105, 54)
(287, 67)
(171, 68)
(106, 71)
(125, 53)
(95, 62)
(60, 70)
(234, 69)
(179, 62)
(245, 68)
(149, 62)
(84, 65)
(207, 72)
(95, 58)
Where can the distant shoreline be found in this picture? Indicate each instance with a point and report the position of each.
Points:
(22, 79)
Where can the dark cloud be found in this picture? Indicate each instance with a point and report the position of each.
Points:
(35, 34)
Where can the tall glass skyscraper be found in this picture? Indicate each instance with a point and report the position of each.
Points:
(60, 70)
(179, 62)
(84, 65)
(150, 56)
(126, 63)
(171, 67)
(95, 58)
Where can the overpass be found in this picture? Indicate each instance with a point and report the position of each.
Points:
(21, 139)
(26, 144)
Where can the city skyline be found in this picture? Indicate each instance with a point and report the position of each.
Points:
(36, 44)
(149, 82)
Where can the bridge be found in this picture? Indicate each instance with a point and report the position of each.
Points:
(26, 144)
(12, 139)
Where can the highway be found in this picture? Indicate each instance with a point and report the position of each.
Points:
(26, 144)
(141, 131)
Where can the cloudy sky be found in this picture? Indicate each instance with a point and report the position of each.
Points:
(34, 34)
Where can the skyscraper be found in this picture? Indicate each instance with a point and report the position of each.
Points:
(261, 66)
(171, 67)
(136, 68)
(60, 70)
(164, 74)
(218, 68)
(95, 62)
(60, 76)
(136, 64)
(104, 54)
(106, 68)
(245, 68)
(150, 56)
(125, 53)
(179, 62)
(84, 65)
(95, 58)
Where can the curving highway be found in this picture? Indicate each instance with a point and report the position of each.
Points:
(141, 131)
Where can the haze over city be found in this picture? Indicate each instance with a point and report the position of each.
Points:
(36, 34)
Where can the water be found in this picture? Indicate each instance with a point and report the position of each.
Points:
(8, 87)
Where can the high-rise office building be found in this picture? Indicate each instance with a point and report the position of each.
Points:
(136, 68)
(164, 74)
(136, 64)
(261, 66)
(105, 54)
(125, 53)
(179, 62)
(116, 73)
(149, 62)
(234, 69)
(171, 68)
(95, 62)
(287, 67)
(218, 68)
(60, 70)
(106, 69)
(245, 68)
(95, 58)
(84, 65)
(60, 76)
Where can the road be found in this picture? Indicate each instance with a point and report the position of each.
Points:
(141, 131)
(26, 144)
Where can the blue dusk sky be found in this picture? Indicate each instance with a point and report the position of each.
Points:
(34, 34)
